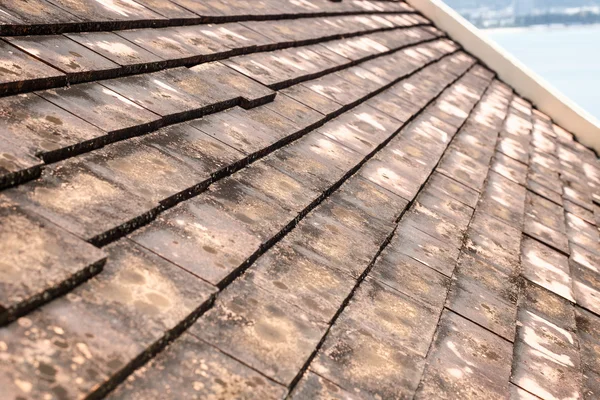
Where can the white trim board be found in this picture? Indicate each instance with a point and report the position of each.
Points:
(525, 82)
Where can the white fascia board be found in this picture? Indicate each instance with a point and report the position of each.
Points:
(525, 82)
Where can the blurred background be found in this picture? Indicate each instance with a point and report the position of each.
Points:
(558, 39)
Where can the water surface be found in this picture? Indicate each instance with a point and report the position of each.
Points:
(567, 57)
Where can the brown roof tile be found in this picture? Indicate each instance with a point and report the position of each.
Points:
(370, 367)
(462, 349)
(20, 71)
(261, 331)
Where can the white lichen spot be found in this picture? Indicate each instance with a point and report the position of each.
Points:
(58, 330)
(24, 385)
(79, 360)
(121, 98)
(83, 348)
(455, 372)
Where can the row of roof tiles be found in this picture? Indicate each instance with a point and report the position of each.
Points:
(115, 189)
(39, 62)
(203, 92)
(54, 16)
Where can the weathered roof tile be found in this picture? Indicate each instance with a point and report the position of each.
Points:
(549, 236)
(509, 168)
(472, 299)
(68, 56)
(20, 71)
(118, 10)
(438, 226)
(314, 161)
(128, 55)
(547, 305)
(17, 165)
(278, 186)
(392, 317)
(40, 261)
(463, 169)
(256, 328)
(313, 386)
(552, 340)
(35, 13)
(236, 128)
(312, 99)
(539, 374)
(371, 199)
(462, 349)
(504, 200)
(361, 129)
(585, 258)
(582, 233)
(78, 200)
(72, 345)
(545, 212)
(372, 368)
(190, 367)
(444, 205)
(45, 129)
(440, 256)
(254, 210)
(208, 156)
(546, 267)
(103, 108)
(585, 283)
(145, 171)
(488, 248)
(302, 278)
(342, 246)
(410, 277)
(452, 188)
(159, 93)
(179, 236)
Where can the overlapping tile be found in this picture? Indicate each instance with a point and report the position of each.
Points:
(465, 361)
(178, 235)
(548, 338)
(73, 345)
(314, 386)
(547, 305)
(485, 296)
(256, 328)
(371, 368)
(128, 55)
(302, 278)
(190, 367)
(410, 277)
(76, 61)
(23, 72)
(34, 127)
(82, 202)
(546, 267)
(40, 261)
(543, 376)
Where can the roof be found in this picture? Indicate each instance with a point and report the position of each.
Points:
(302, 198)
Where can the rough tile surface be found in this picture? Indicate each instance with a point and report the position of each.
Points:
(283, 199)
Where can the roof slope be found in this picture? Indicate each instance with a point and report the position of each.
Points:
(302, 198)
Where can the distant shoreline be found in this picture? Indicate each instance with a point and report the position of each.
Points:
(538, 27)
(535, 19)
